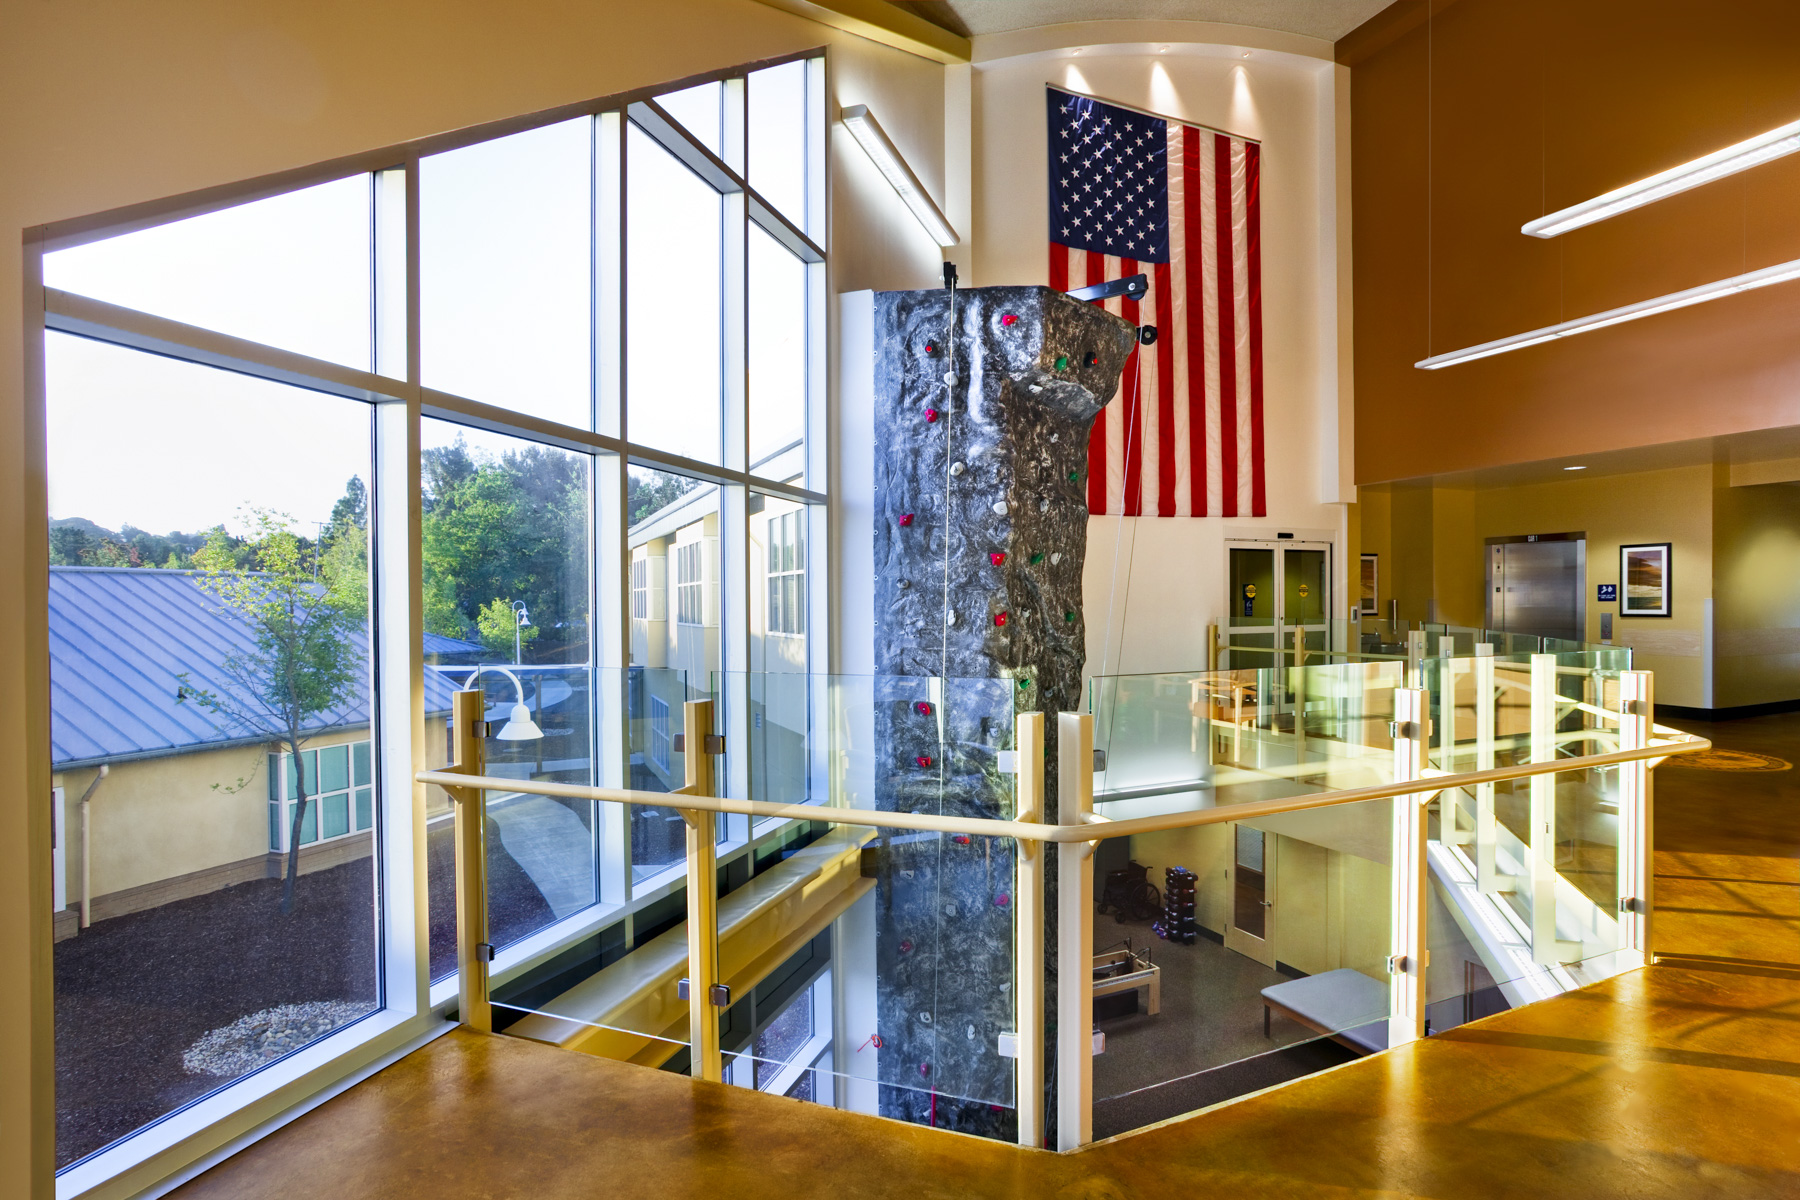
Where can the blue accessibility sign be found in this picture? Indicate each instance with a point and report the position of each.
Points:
(1609, 593)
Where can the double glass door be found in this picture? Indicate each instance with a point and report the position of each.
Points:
(1276, 588)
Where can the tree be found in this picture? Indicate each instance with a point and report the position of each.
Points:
(499, 625)
(512, 525)
(299, 664)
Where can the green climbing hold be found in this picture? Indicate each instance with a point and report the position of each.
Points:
(1062, 362)
(1023, 684)
(1068, 616)
(1074, 475)
(1037, 558)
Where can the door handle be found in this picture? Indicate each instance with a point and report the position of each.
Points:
(1266, 903)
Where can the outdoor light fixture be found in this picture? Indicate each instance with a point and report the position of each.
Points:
(1720, 163)
(874, 141)
(1749, 281)
(519, 727)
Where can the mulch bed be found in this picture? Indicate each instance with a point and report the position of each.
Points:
(134, 992)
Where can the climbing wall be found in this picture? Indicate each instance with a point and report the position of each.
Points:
(983, 403)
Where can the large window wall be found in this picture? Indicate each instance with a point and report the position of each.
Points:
(535, 410)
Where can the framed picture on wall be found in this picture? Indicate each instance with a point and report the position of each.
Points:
(1371, 599)
(1644, 580)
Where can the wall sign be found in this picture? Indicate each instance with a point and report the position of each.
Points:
(1249, 598)
(1609, 593)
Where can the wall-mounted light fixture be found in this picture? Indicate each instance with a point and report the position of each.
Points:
(874, 141)
(1749, 281)
(1720, 163)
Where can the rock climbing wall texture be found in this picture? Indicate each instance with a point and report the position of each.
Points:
(984, 400)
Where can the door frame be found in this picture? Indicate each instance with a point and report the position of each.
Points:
(1259, 949)
(1283, 631)
(1579, 537)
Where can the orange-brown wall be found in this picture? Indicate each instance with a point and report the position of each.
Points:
(1497, 111)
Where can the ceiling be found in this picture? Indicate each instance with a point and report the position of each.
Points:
(1327, 19)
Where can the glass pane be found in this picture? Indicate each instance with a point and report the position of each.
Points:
(504, 538)
(1304, 580)
(165, 643)
(1249, 895)
(1252, 587)
(673, 303)
(505, 233)
(778, 138)
(698, 109)
(365, 808)
(335, 814)
(777, 355)
(334, 768)
(360, 757)
(291, 271)
(309, 822)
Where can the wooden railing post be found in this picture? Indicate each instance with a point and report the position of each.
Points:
(473, 952)
(1028, 932)
(1408, 958)
(704, 1003)
(1637, 718)
(1074, 935)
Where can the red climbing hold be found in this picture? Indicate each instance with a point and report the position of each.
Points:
(961, 839)
(922, 707)
(1002, 900)
(1009, 319)
(924, 760)
(931, 416)
(999, 618)
(996, 557)
(905, 519)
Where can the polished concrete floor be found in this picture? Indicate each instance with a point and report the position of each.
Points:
(1681, 1080)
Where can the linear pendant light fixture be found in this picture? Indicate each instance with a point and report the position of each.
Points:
(874, 141)
(1749, 281)
(1746, 154)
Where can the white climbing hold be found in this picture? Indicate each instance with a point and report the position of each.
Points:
(1043, 506)
(957, 468)
(999, 508)
(1056, 558)
(950, 377)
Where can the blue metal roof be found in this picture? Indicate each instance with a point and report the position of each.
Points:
(120, 638)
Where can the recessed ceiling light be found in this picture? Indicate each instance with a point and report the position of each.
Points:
(1574, 468)
(1246, 54)
(1078, 50)
(1162, 49)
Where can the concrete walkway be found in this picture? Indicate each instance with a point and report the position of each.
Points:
(552, 846)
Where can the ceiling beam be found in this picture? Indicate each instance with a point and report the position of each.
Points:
(880, 21)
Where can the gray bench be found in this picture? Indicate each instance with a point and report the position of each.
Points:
(1345, 1005)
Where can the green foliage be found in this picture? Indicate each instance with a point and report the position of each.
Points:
(299, 665)
(344, 551)
(75, 542)
(647, 492)
(498, 624)
(513, 525)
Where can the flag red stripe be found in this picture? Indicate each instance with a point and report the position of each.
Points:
(1096, 480)
(1228, 400)
(1059, 268)
(1131, 392)
(1253, 220)
(1196, 322)
(1165, 396)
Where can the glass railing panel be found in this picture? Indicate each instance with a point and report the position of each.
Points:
(655, 703)
(1258, 957)
(1203, 739)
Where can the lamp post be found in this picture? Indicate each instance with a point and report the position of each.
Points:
(519, 726)
(521, 619)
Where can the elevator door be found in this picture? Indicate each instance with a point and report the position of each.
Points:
(1535, 588)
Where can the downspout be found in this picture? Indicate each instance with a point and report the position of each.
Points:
(87, 890)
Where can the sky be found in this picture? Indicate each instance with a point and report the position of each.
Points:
(506, 266)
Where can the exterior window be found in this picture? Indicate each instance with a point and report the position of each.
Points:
(690, 585)
(787, 574)
(339, 789)
(640, 589)
(659, 732)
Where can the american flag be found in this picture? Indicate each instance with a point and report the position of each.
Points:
(1132, 193)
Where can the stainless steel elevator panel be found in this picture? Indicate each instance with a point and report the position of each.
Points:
(1535, 587)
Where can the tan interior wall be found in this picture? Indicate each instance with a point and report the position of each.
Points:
(1756, 582)
(1375, 528)
(114, 102)
(1499, 111)
(1458, 571)
(1331, 908)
